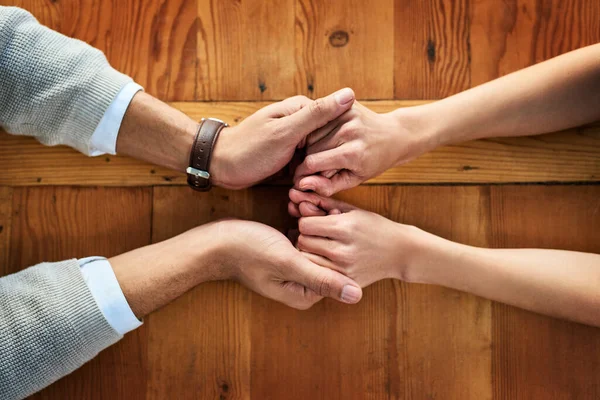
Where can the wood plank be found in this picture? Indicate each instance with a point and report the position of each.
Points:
(536, 356)
(199, 346)
(423, 362)
(510, 35)
(51, 224)
(153, 41)
(349, 43)
(432, 53)
(246, 50)
(569, 156)
(330, 351)
(6, 194)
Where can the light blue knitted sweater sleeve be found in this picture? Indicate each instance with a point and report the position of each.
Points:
(52, 87)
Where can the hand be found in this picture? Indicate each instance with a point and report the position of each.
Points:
(360, 244)
(264, 260)
(357, 146)
(265, 142)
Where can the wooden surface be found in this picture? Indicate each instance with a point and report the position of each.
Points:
(228, 58)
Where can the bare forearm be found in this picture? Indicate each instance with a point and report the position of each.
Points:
(563, 284)
(557, 94)
(155, 275)
(157, 133)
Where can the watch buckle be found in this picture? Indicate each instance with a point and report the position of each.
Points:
(198, 172)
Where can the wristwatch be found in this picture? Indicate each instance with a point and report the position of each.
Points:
(198, 172)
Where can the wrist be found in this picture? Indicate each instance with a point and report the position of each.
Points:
(423, 255)
(418, 132)
(203, 251)
(221, 164)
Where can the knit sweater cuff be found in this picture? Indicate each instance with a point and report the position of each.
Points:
(91, 105)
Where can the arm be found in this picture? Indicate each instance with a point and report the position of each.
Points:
(368, 247)
(556, 94)
(58, 89)
(256, 255)
(50, 324)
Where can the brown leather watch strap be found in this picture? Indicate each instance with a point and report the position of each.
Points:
(206, 137)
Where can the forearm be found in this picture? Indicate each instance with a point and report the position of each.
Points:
(563, 284)
(553, 95)
(157, 133)
(155, 275)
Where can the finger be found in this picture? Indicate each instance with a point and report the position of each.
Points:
(319, 112)
(343, 180)
(294, 210)
(323, 226)
(285, 107)
(337, 158)
(318, 245)
(324, 203)
(325, 282)
(322, 132)
(330, 173)
(308, 209)
(322, 261)
(329, 142)
(297, 296)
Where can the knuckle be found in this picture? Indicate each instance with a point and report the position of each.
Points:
(345, 255)
(317, 106)
(322, 285)
(301, 242)
(302, 226)
(311, 162)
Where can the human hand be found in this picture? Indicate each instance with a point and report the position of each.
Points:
(360, 244)
(357, 146)
(264, 260)
(265, 142)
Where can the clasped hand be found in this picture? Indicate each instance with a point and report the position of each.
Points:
(346, 143)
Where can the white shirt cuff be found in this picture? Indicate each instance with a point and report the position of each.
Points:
(102, 282)
(104, 138)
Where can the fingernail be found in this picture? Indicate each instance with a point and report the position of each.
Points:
(312, 207)
(344, 96)
(351, 294)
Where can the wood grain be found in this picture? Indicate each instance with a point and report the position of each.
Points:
(535, 356)
(246, 50)
(153, 41)
(52, 224)
(569, 156)
(510, 35)
(424, 363)
(6, 194)
(432, 50)
(349, 43)
(199, 346)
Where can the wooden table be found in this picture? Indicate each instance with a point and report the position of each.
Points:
(228, 58)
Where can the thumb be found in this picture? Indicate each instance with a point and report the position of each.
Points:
(326, 282)
(319, 112)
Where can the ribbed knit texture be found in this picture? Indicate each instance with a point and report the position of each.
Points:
(50, 325)
(52, 87)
